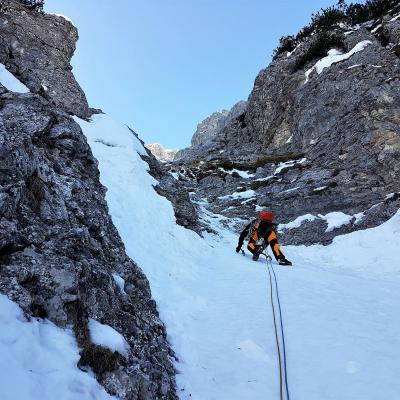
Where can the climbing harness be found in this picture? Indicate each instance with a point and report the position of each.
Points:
(282, 373)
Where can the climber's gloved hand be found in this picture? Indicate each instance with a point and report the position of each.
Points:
(238, 248)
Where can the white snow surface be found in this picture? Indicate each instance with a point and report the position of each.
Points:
(376, 28)
(106, 336)
(395, 18)
(247, 194)
(297, 222)
(242, 174)
(289, 163)
(266, 178)
(319, 188)
(38, 360)
(9, 81)
(66, 18)
(340, 303)
(354, 66)
(336, 220)
(175, 175)
(335, 56)
(120, 282)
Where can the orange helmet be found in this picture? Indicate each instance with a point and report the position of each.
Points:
(266, 216)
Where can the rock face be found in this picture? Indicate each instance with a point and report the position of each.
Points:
(185, 212)
(161, 153)
(37, 49)
(214, 124)
(209, 131)
(58, 246)
(312, 146)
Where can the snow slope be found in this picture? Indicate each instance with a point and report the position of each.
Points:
(38, 360)
(341, 303)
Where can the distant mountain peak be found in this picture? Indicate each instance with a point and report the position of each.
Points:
(160, 152)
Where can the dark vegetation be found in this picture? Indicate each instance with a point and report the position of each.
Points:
(36, 5)
(319, 46)
(98, 358)
(324, 21)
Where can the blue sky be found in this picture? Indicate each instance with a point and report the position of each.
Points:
(163, 66)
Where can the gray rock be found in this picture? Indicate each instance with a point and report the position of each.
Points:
(58, 245)
(37, 49)
(208, 129)
(59, 248)
(208, 132)
(338, 134)
(185, 212)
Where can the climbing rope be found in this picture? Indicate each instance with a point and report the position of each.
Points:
(276, 335)
(282, 374)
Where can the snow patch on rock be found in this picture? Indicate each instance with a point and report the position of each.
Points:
(120, 282)
(297, 222)
(39, 360)
(64, 17)
(239, 195)
(334, 56)
(395, 18)
(242, 174)
(336, 219)
(288, 164)
(106, 336)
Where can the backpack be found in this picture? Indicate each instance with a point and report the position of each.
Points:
(260, 241)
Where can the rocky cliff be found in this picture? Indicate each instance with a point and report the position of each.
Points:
(37, 49)
(186, 213)
(317, 137)
(209, 131)
(61, 257)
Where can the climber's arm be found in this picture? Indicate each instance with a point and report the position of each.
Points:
(242, 236)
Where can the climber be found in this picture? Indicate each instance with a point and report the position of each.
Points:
(262, 232)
